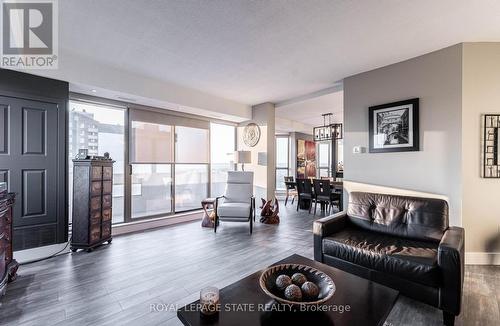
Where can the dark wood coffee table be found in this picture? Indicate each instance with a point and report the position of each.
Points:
(369, 303)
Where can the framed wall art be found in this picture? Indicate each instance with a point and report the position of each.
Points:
(393, 127)
(306, 159)
(490, 159)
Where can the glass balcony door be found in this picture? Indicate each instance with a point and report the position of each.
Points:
(169, 163)
(151, 158)
(191, 167)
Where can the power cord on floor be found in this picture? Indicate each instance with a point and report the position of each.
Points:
(50, 256)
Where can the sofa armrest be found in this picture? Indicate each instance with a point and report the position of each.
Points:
(324, 227)
(451, 262)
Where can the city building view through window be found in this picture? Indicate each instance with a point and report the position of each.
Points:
(172, 167)
(99, 129)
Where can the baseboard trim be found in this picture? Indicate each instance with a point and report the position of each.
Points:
(482, 258)
(156, 223)
(31, 255)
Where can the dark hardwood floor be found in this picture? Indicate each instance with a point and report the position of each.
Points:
(116, 284)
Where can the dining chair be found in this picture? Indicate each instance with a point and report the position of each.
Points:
(322, 194)
(290, 189)
(337, 190)
(304, 189)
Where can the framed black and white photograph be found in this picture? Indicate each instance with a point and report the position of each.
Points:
(393, 127)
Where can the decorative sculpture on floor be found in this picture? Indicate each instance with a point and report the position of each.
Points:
(270, 211)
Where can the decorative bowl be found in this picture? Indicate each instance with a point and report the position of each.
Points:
(325, 284)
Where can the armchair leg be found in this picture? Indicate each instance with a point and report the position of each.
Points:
(215, 223)
(298, 204)
(293, 198)
(286, 200)
(315, 205)
(448, 319)
(251, 226)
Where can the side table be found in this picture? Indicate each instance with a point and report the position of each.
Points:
(207, 221)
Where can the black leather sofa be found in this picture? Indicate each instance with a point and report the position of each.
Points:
(402, 242)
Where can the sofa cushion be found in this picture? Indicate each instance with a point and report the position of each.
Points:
(234, 210)
(410, 217)
(408, 259)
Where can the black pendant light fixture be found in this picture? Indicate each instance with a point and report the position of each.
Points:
(329, 130)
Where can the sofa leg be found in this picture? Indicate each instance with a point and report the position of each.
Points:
(448, 319)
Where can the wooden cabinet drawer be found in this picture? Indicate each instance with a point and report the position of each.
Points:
(107, 201)
(95, 188)
(95, 214)
(107, 173)
(95, 221)
(107, 214)
(96, 172)
(95, 234)
(106, 230)
(107, 187)
(95, 203)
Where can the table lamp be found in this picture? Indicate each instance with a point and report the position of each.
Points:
(243, 157)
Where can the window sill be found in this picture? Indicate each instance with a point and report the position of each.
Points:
(142, 225)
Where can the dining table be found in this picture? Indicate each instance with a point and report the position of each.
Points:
(335, 186)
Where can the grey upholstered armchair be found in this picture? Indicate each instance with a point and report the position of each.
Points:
(238, 202)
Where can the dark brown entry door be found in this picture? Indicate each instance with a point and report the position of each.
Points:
(28, 163)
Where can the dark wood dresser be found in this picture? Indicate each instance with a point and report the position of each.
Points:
(92, 203)
(8, 265)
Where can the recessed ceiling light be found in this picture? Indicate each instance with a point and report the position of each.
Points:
(93, 90)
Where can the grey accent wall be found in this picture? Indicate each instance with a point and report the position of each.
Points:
(435, 78)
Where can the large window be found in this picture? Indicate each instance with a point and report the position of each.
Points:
(282, 169)
(191, 167)
(173, 163)
(99, 129)
(340, 155)
(324, 159)
(222, 147)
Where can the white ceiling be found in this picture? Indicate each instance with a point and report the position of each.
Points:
(309, 111)
(257, 51)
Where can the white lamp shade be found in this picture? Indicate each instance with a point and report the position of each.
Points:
(243, 157)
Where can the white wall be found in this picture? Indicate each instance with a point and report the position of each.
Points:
(435, 78)
(264, 175)
(481, 197)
